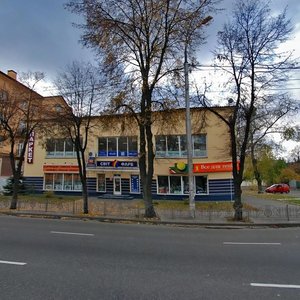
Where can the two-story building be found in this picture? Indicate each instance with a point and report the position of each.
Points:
(113, 158)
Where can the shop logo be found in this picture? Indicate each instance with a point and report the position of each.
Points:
(179, 168)
(117, 164)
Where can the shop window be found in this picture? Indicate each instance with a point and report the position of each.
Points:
(48, 182)
(175, 185)
(68, 186)
(185, 184)
(180, 184)
(58, 182)
(77, 182)
(163, 184)
(118, 146)
(62, 182)
(101, 183)
(201, 184)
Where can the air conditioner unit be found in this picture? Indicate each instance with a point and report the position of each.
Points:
(92, 154)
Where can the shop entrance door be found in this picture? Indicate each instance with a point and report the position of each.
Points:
(117, 185)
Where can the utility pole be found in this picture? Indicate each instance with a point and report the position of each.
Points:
(189, 134)
(188, 120)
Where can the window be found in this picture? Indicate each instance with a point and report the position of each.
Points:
(3, 95)
(132, 146)
(60, 148)
(163, 184)
(117, 146)
(62, 182)
(199, 145)
(122, 146)
(101, 183)
(175, 185)
(102, 144)
(68, 185)
(173, 145)
(180, 184)
(176, 145)
(112, 146)
(77, 182)
(161, 145)
(20, 147)
(58, 182)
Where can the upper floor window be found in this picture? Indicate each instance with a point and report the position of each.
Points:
(60, 148)
(176, 145)
(3, 95)
(124, 146)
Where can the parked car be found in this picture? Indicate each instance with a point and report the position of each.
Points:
(278, 188)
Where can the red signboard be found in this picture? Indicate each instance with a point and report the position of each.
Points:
(213, 167)
(30, 148)
(63, 168)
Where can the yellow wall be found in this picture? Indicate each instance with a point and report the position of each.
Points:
(164, 124)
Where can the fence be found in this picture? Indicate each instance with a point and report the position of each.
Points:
(134, 210)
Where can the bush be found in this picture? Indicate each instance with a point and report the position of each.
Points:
(8, 187)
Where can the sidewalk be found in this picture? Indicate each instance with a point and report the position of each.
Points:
(266, 213)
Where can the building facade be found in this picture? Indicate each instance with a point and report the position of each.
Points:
(113, 158)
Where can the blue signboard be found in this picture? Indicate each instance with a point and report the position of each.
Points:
(117, 164)
(135, 184)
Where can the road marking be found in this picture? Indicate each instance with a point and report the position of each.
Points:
(284, 286)
(12, 263)
(240, 243)
(72, 233)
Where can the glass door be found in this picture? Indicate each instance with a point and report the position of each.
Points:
(117, 185)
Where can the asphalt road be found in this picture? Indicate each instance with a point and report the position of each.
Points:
(62, 259)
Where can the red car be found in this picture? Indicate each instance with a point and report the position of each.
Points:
(278, 188)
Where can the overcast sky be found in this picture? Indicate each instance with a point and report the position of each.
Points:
(38, 35)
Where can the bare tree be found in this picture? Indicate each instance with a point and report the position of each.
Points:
(248, 47)
(145, 40)
(268, 119)
(21, 113)
(81, 86)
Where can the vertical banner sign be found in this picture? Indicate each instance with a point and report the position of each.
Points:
(135, 184)
(30, 148)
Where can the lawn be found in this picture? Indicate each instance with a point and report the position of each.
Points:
(286, 198)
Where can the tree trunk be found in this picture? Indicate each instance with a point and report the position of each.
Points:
(14, 200)
(82, 174)
(256, 172)
(146, 157)
(238, 205)
(15, 191)
(85, 197)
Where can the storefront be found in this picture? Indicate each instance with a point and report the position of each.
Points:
(115, 177)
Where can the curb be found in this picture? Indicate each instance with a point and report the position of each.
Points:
(212, 225)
